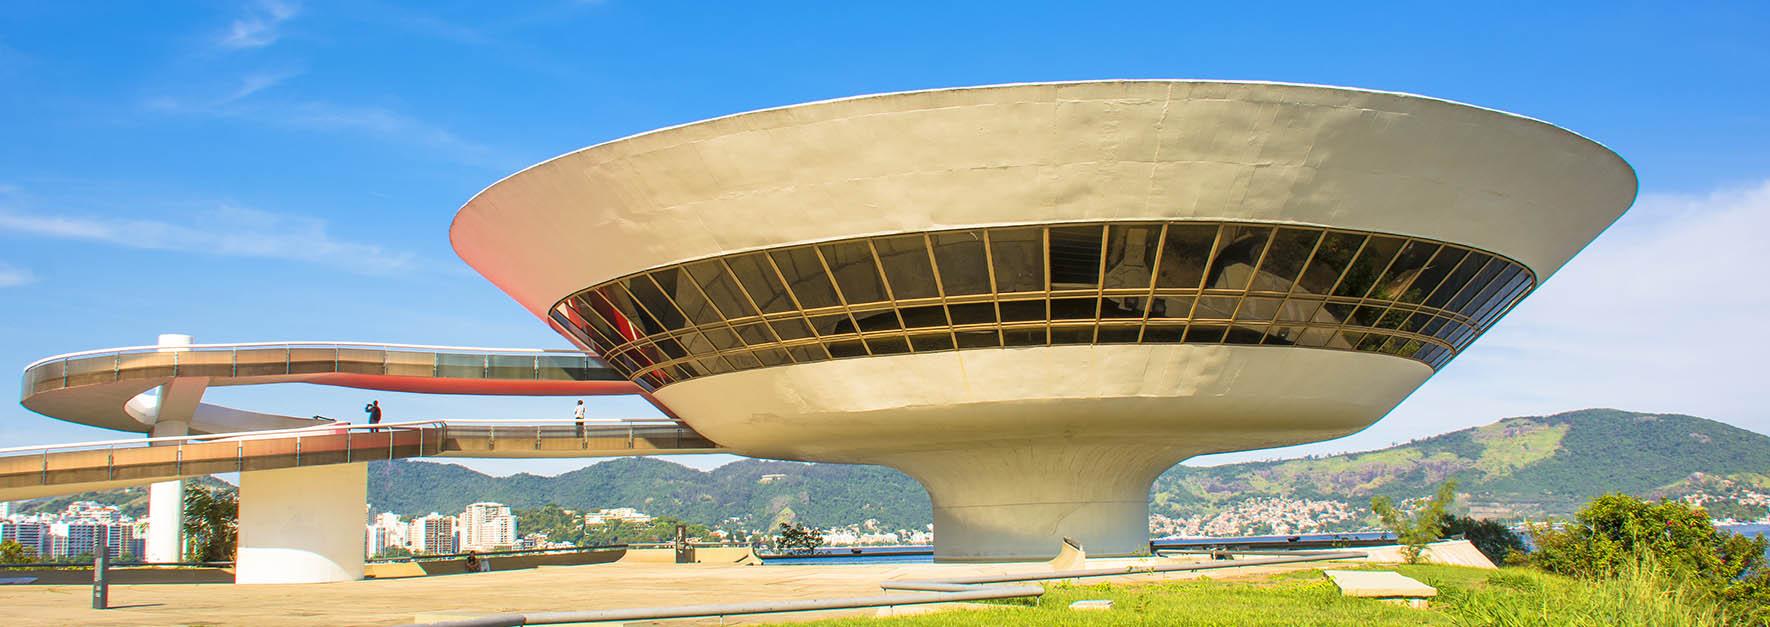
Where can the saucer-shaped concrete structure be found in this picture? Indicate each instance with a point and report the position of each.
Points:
(1035, 298)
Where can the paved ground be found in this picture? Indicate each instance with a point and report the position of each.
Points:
(394, 601)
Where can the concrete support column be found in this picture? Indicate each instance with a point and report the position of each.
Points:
(302, 525)
(172, 415)
(1018, 501)
(165, 541)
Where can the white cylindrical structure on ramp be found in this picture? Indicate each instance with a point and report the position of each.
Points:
(302, 525)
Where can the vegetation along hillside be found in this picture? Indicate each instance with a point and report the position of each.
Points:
(1516, 468)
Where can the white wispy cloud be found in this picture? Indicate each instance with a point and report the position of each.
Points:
(227, 231)
(1663, 313)
(382, 124)
(14, 276)
(260, 26)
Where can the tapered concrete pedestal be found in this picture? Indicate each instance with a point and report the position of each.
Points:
(302, 525)
(1018, 502)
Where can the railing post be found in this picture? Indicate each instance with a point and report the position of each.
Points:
(178, 463)
(45, 476)
(240, 456)
(110, 463)
(297, 450)
(347, 433)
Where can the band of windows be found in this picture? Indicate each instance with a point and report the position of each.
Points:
(1103, 283)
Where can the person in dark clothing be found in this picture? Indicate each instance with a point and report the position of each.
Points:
(374, 409)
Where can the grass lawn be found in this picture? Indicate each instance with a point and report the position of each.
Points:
(1467, 596)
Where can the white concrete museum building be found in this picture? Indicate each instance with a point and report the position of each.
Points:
(1035, 298)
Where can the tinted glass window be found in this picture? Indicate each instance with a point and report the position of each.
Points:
(1285, 259)
(1266, 286)
(857, 277)
(1238, 252)
(1075, 257)
(1130, 256)
(963, 267)
(805, 277)
(660, 308)
(1407, 266)
(1371, 262)
(1458, 278)
(721, 288)
(1331, 259)
(907, 269)
(758, 279)
(688, 298)
(1019, 257)
(1433, 274)
(1183, 256)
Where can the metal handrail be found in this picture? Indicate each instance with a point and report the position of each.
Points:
(211, 437)
(334, 428)
(294, 344)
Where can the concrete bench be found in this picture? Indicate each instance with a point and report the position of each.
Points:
(1382, 585)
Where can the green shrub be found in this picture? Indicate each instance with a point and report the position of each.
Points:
(1492, 538)
(1615, 533)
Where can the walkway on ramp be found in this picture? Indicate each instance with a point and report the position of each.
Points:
(34, 471)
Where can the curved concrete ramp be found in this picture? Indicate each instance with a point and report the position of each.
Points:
(109, 388)
(31, 472)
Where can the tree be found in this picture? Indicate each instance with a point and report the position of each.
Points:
(211, 523)
(1418, 526)
(798, 539)
(1493, 539)
(1617, 531)
(11, 552)
(394, 551)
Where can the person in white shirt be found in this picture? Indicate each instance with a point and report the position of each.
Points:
(578, 415)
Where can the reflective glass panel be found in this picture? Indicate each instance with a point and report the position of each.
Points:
(1184, 253)
(1075, 257)
(1433, 274)
(907, 268)
(1019, 258)
(963, 267)
(1375, 257)
(1330, 261)
(805, 277)
(1239, 249)
(1130, 255)
(1285, 259)
(758, 279)
(857, 277)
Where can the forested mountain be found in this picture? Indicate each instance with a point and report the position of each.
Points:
(820, 495)
(1517, 467)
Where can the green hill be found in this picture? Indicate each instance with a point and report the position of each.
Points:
(1515, 468)
(818, 494)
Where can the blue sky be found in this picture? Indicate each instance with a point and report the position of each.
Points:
(247, 171)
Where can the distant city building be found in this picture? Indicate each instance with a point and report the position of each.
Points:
(767, 479)
(434, 534)
(386, 531)
(618, 514)
(487, 527)
(33, 535)
(83, 538)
